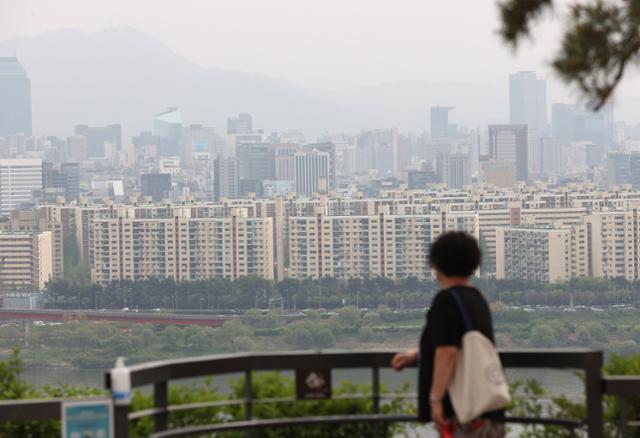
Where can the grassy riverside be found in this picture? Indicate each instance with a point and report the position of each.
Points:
(93, 344)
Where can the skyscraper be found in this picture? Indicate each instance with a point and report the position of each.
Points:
(155, 185)
(312, 172)
(528, 101)
(243, 124)
(509, 144)
(19, 179)
(453, 170)
(440, 126)
(330, 149)
(624, 168)
(61, 180)
(15, 98)
(226, 180)
(167, 126)
(98, 136)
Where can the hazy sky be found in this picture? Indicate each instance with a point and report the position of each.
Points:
(320, 43)
(315, 43)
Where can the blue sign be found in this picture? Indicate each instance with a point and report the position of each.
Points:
(87, 419)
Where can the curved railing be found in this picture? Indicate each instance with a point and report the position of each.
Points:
(160, 374)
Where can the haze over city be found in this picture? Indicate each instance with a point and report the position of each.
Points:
(363, 181)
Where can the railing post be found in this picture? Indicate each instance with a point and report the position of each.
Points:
(624, 422)
(121, 421)
(161, 401)
(248, 400)
(375, 394)
(594, 387)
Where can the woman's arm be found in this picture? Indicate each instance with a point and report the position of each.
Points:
(444, 365)
(404, 358)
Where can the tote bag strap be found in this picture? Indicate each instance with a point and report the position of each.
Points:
(466, 321)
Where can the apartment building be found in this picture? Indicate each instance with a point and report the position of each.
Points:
(533, 254)
(387, 245)
(36, 221)
(181, 248)
(344, 236)
(26, 260)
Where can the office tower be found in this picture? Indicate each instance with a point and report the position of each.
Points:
(312, 172)
(330, 149)
(20, 180)
(282, 158)
(199, 143)
(419, 179)
(440, 126)
(242, 124)
(181, 248)
(76, 148)
(226, 178)
(97, 138)
(571, 123)
(26, 261)
(107, 189)
(563, 122)
(167, 127)
(61, 180)
(255, 163)
(15, 98)
(624, 168)
(509, 144)
(453, 170)
(156, 185)
(551, 164)
(528, 101)
(533, 254)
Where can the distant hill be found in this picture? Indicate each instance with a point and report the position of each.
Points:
(122, 75)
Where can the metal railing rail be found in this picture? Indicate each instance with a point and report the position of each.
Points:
(159, 374)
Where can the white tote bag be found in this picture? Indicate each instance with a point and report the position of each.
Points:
(479, 384)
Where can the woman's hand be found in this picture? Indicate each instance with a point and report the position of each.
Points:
(404, 359)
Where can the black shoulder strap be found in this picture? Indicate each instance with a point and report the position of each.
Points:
(465, 316)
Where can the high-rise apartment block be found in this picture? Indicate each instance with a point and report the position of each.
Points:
(182, 248)
(15, 98)
(36, 221)
(345, 236)
(20, 180)
(26, 261)
(533, 254)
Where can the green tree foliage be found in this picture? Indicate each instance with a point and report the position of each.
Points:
(600, 41)
(13, 387)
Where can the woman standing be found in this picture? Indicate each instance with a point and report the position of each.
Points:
(454, 256)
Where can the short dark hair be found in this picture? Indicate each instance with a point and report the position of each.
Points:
(455, 254)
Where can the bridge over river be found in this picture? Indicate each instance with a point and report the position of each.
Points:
(113, 316)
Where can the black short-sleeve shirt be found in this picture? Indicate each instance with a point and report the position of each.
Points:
(445, 327)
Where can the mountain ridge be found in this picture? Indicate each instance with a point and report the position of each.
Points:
(123, 75)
